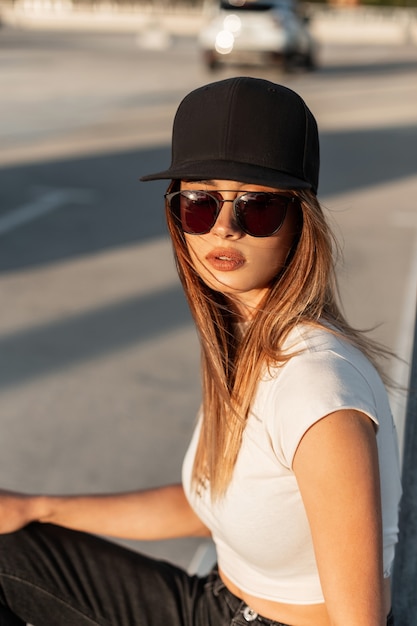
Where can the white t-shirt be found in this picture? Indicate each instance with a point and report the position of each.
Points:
(260, 527)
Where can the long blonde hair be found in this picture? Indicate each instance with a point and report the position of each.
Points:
(232, 362)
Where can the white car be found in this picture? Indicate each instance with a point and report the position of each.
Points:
(258, 32)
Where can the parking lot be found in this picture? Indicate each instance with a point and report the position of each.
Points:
(98, 356)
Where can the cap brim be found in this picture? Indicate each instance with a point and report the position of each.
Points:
(230, 170)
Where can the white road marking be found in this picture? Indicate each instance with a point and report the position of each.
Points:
(49, 201)
(203, 560)
(401, 369)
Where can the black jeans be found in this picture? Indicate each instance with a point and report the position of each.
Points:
(51, 576)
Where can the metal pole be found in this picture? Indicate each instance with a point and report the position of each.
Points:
(405, 565)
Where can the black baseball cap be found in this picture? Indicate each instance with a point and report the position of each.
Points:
(245, 129)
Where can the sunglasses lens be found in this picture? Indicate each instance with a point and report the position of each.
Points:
(196, 210)
(261, 214)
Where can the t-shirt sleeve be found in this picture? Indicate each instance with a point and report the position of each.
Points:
(309, 387)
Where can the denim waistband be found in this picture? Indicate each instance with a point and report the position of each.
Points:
(243, 613)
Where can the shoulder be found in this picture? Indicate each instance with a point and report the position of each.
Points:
(323, 359)
(324, 374)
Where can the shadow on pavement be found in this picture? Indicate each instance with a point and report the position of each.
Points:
(377, 69)
(124, 211)
(38, 351)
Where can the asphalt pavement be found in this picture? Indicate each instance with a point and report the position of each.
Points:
(98, 356)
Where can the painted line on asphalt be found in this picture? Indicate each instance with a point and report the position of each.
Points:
(203, 560)
(47, 202)
(401, 368)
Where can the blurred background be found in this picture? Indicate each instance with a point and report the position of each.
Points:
(99, 382)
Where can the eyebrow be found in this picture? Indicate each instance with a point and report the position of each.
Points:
(209, 181)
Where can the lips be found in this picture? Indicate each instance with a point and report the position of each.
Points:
(225, 259)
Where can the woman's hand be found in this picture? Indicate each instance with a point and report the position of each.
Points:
(16, 510)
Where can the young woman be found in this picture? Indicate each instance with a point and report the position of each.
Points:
(293, 465)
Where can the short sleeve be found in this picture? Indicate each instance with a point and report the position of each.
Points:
(309, 387)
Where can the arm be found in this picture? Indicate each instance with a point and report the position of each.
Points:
(160, 513)
(336, 466)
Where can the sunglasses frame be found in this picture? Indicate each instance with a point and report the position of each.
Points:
(220, 201)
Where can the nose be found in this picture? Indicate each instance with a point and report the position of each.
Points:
(226, 226)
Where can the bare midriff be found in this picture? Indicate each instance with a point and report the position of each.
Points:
(292, 614)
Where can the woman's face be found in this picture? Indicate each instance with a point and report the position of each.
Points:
(232, 262)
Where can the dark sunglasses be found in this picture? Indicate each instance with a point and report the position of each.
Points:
(257, 213)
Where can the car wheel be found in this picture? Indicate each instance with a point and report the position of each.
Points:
(289, 63)
(211, 62)
(310, 62)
